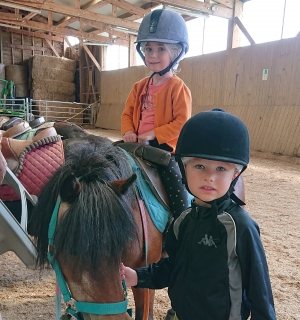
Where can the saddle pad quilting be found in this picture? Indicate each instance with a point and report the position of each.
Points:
(38, 167)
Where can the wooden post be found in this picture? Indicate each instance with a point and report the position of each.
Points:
(234, 32)
(131, 51)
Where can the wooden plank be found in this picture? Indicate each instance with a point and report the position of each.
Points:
(91, 56)
(75, 33)
(128, 7)
(35, 34)
(71, 47)
(25, 47)
(244, 30)
(52, 47)
(211, 9)
(69, 11)
(11, 16)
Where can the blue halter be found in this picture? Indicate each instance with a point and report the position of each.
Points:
(87, 307)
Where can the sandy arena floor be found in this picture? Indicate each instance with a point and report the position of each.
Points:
(273, 199)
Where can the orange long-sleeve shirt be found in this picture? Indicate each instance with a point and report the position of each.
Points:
(172, 108)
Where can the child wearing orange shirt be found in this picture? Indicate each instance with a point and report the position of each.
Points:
(158, 106)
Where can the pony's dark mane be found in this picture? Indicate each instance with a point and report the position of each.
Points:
(99, 223)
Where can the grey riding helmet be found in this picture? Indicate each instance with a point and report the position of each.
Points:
(214, 135)
(165, 26)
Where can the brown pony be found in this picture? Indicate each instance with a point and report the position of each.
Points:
(99, 225)
(92, 213)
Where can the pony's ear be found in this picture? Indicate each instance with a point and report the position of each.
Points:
(70, 188)
(121, 186)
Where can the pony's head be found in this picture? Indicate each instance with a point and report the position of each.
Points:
(95, 222)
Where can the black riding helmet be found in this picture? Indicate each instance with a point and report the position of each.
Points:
(214, 135)
(165, 26)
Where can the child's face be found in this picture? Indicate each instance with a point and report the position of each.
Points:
(209, 179)
(156, 56)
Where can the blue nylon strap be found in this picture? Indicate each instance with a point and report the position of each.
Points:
(103, 308)
(60, 278)
(87, 307)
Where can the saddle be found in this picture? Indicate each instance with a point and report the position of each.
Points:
(32, 161)
(15, 129)
(147, 158)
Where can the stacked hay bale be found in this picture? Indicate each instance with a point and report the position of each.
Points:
(52, 79)
(18, 74)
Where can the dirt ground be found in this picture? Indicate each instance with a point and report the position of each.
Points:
(273, 198)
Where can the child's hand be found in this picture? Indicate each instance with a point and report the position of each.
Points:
(129, 136)
(129, 275)
(147, 136)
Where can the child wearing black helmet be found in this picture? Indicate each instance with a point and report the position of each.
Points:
(217, 268)
(158, 106)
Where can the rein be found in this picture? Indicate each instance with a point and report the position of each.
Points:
(87, 307)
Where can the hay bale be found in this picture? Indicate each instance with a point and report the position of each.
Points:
(54, 86)
(39, 62)
(52, 74)
(17, 74)
(39, 94)
(22, 91)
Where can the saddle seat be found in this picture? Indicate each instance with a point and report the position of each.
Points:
(12, 148)
(147, 158)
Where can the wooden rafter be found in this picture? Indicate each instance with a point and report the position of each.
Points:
(52, 47)
(64, 31)
(87, 50)
(70, 11)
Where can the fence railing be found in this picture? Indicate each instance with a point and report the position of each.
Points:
(29, 109)
(15, 108)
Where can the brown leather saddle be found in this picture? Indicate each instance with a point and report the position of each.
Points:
(147, 158)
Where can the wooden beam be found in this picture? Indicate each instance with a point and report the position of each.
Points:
(30, 16)
(128, 7)
(113, 10)
(244, 30)
(212, 9)
(66, 21)
(64, 31)
(25, 47)
(132, 51)
(234, 33)
(10, 16)
(71, 47)
(35, 34)
(52, 47)
(69, 11)
(87, 50)
(94, 4)
(227, 3)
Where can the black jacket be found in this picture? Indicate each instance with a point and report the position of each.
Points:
(216, 269)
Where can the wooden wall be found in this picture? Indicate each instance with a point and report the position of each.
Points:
(233, 81)
(16, 48)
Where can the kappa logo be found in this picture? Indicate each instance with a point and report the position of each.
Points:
(208, 241)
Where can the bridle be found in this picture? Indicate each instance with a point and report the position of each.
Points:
(79, 306)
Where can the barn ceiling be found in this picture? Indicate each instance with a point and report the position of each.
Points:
(98, 21)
